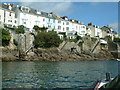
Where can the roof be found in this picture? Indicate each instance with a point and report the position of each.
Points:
(34, 12)
(57, 17)
(6, 7)
(106, 28)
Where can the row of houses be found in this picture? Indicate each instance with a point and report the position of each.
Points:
(13, 16)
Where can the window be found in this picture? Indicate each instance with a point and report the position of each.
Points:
(76, 27)
(49, 26)
(83, 26)
(15, 21)
(49, 15)
(43, 19)
(10, 14)
(59, 21)
(67, 23)
(53, 21)
(82, 31)
(63, 29)
(37, 22)
(59, 27)
(24, 21)
(67, 28)
(9, 20)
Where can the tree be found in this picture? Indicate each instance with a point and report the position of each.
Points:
(36, 27)
(89, 24)
(43, 28)
(116, 40)
(5, 37)
(47, 39)
(20, 29)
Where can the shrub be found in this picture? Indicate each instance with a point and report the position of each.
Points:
(108, 38)
(116, 40)
(15, 42)
(5, 37)
(93, 39)
(20, 29)
(47, 39)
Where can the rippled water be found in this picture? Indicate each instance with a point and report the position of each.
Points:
(82, 74)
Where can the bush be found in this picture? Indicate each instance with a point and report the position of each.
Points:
(15, 42)
(93, 39)
(108, 38)
(47, 39)
(20, 29)
(116, 40)
(5, 37)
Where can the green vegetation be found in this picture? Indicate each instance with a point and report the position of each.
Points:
(15, 42)
(37, 28)
(76, 39)
(94, 39)
(20, 29)
(108, 38)
(89, 24)
(47, 39)
(116, 40)
(43, 28)
(64, 35)
(5, 37)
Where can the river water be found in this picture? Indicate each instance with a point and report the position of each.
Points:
(79, 74)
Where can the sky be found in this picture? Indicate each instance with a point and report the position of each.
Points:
(99, 13)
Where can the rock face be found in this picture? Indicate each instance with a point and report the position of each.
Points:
(8, 54)
(54, 54)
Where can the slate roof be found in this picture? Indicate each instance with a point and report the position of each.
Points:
(6, 7)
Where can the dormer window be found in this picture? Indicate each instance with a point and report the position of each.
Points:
(72, 20)
(38, 12)
(66, 18)
(49, 15)
(26, 9)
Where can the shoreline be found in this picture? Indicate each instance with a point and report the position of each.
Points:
(53, 54)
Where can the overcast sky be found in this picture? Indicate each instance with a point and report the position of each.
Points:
(99, 13)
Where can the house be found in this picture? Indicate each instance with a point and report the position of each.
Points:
(108, 31)
(94, 31)
(50, 21)
(75, 26)
(29, 17)
(8, 15)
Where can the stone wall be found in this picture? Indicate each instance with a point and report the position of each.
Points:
(24, 40)
(113, 48)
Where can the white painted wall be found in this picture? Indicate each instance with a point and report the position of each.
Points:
(29, 20)
(8, 17)
(1, 15)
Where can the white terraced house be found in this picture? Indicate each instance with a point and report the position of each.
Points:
(29, 17)
(1, 16)
(77, 26)
(94, 31)
(11, 16)
(8, 15)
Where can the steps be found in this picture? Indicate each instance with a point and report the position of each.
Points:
(94, 47)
